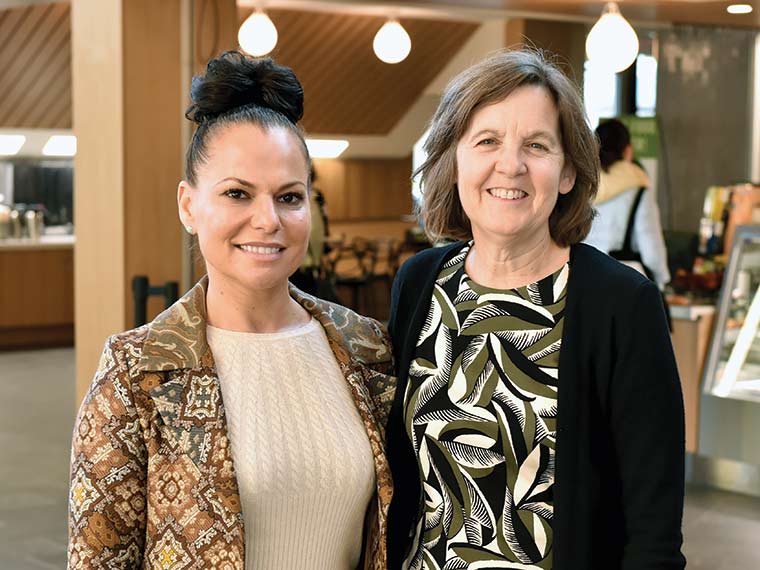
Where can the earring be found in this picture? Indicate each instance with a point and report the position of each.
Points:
(190, 230)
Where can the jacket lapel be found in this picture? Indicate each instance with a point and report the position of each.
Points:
(190, 407)
(188, 397)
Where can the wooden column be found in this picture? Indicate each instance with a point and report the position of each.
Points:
(100, 287)
(129, 96)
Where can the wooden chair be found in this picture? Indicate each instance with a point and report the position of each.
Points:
(353, 267)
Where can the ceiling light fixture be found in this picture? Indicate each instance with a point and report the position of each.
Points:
(392, 44)
(612, 43)
(326, 148)
(11, 144)
(257, 34)
(739, 9)
(60, 145)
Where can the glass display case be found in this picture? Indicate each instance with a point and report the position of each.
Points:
(733, 364)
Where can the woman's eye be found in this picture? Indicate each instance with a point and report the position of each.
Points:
(486, 142)
(235, 194)
(537, 146)
(291, 198)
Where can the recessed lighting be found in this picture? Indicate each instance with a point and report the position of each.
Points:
(60, 145)
(326, 148)
(11, 144)
(739, 9)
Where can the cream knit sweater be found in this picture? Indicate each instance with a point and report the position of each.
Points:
(302, 457)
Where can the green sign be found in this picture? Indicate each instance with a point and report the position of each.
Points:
(645, 138)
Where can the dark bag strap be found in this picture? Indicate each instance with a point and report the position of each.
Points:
(631, 219)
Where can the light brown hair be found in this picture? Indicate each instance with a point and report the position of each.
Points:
(491, 81)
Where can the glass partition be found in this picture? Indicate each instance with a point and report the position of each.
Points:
(733, 365)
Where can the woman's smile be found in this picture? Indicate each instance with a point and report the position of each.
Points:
(507, 194)
(262, 251)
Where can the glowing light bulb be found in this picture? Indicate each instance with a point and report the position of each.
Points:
(257, 35)
(392, 44)
(612, 43)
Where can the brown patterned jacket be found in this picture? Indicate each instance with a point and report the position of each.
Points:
(152, 479)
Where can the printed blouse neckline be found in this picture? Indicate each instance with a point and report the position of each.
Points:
(523, 291)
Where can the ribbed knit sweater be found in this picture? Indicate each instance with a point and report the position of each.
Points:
(301, 454)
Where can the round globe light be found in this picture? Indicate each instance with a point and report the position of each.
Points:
(392, 44)
(612, 43)
(257, 35)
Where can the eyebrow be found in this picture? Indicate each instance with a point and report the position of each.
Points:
(252, 186)
(530, 135)
(541, 133)
(484, 132)
(237, 181)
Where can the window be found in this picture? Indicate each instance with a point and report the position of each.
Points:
(600, 93)
(646, 85)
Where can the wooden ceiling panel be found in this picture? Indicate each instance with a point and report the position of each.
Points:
(347, 89)
(54, 54)
(48, 103)
(35, 66)
(696, 12)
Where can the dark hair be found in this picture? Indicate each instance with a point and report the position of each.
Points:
(613, 139)
(491, 81)
(237, 88)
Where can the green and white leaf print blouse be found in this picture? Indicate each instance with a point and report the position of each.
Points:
(480, 409)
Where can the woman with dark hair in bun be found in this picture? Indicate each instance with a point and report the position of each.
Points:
(243, 428)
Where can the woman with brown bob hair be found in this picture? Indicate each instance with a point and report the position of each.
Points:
(538, 419)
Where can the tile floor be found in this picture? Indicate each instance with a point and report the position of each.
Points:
(37, 408)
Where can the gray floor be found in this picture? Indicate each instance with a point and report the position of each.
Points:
(37, 412)
(37, 408)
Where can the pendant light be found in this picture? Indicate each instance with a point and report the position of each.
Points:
(392, 44)
(612, 43)
(257, 35)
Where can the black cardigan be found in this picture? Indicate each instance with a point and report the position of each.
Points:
(619, 479)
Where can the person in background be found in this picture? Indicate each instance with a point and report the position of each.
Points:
(308, 275)
(619, 184)
(538, 419)
(319, 198)
(243, 427)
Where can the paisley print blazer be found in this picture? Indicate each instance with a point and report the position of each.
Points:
(152, 479)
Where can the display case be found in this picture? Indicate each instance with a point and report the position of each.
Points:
(733, 364)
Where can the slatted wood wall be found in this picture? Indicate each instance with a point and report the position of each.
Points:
(35, 66)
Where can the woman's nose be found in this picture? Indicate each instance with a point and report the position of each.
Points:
(264, 215)
(510, 160)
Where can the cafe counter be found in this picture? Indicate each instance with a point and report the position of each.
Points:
(37, 292)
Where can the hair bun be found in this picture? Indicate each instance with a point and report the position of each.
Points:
(234, 79)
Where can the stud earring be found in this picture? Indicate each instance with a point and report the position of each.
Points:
(190, 230)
